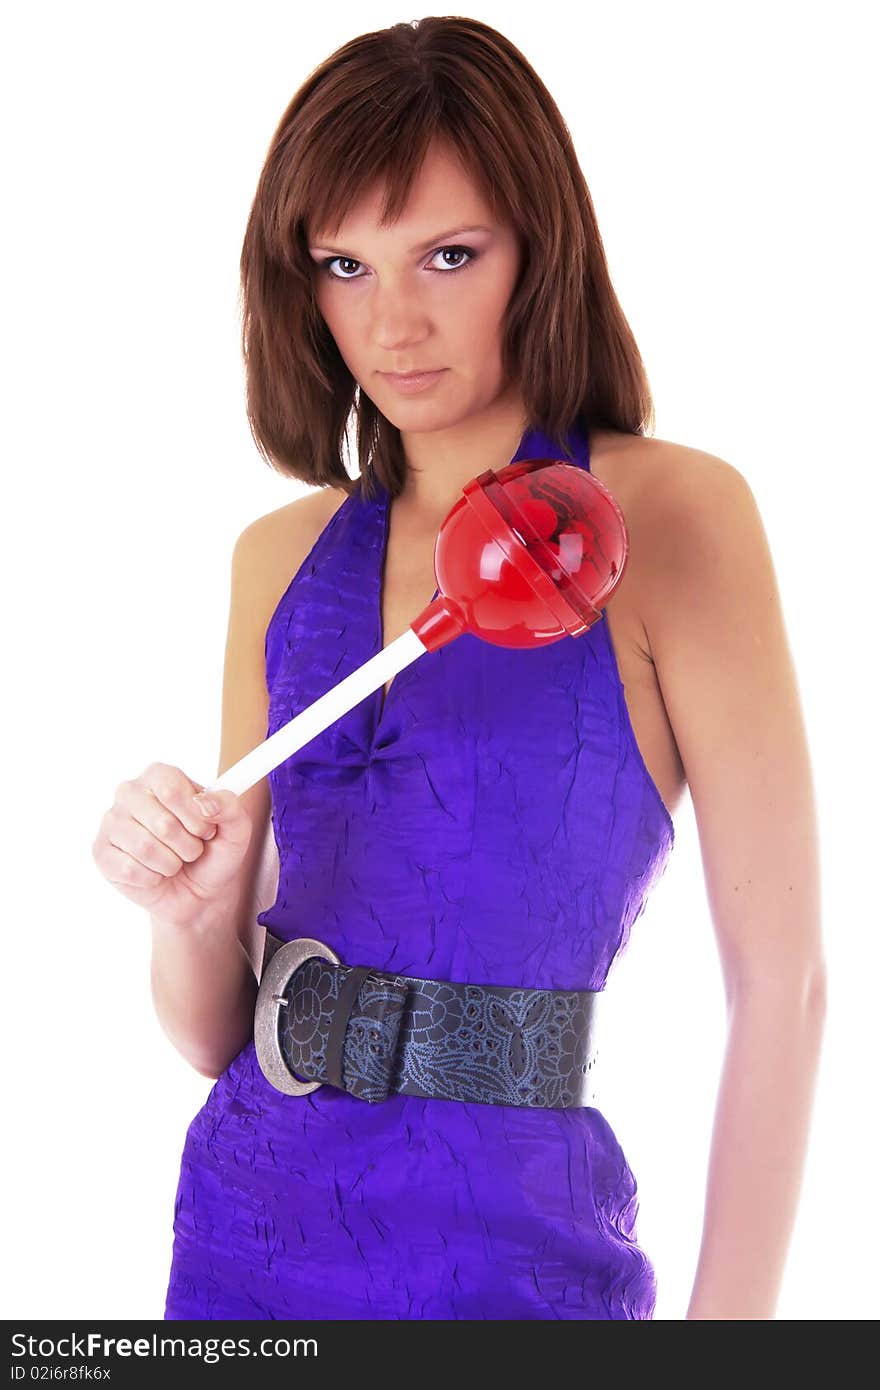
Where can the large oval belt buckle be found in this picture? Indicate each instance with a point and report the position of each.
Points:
(270, 999)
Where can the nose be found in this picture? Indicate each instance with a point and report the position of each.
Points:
(398, 319)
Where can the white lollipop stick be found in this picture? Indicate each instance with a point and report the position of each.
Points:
(322, 712)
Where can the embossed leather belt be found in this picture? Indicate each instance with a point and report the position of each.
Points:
(374, 1034)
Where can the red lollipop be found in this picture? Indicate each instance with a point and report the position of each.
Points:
(526, 556)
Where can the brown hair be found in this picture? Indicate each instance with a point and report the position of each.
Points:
(369, 112)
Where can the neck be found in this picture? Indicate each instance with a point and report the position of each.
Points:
(440, 462)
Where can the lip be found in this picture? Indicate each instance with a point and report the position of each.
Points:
(412, 381)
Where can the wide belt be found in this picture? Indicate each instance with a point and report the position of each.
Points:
(374, 1033)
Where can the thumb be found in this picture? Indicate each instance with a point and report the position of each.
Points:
(217, 802)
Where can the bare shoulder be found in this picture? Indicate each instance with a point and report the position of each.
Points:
(693, 508)
(653, 474)
(676, 499)
(300, 521)
(271, 548)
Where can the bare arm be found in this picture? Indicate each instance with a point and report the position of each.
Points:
(204, 992)
(721, 654)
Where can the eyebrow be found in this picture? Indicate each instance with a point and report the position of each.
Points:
(423, 246)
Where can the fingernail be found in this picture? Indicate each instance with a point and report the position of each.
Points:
(207, 804)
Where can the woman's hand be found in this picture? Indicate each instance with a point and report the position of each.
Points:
(159, 848)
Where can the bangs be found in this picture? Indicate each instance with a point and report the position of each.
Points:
(377, 140)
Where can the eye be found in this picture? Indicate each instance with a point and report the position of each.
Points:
(325, 265)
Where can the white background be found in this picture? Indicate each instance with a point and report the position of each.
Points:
(728, 151)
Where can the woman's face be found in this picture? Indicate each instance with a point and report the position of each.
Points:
(395, 299)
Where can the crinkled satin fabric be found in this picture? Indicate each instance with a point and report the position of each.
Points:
(495, 823)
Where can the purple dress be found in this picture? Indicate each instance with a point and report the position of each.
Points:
(493, 822)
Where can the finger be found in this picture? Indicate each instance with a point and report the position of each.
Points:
(171, 786)
(172, 791)
(122, 869)
(152, 834)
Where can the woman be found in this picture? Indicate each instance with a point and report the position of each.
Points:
(494, 817)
